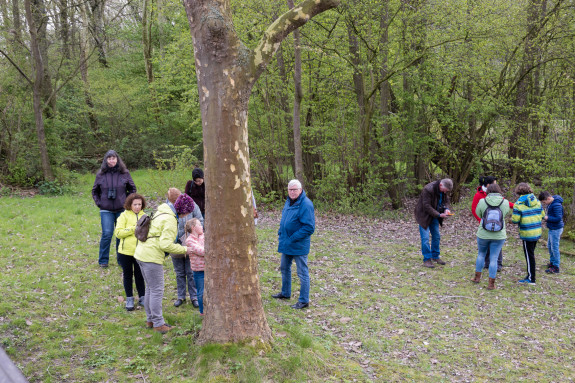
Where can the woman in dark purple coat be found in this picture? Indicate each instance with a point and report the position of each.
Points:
(112, 185)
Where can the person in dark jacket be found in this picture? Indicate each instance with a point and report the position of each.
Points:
(196, 188)
(294, 236)
(554, 219)
(432, 207)
(112, 185)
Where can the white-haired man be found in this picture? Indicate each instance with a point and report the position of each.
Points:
(294, 236)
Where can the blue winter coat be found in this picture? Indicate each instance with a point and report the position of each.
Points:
(297, 226)
(555, 213)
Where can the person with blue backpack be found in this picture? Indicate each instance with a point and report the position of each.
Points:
(554, 219)
(491, 234)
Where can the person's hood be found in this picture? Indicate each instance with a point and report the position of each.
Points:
(167, 207)
(557, 199)
(494, 199)
(529, 200)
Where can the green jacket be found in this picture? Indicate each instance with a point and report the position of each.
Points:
(125, 227)
(494, 199)
(528, 213)
(161, 237)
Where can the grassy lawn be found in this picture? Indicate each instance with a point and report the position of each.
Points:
(375, 314)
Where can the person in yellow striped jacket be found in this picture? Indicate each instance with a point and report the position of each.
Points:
(528, 214)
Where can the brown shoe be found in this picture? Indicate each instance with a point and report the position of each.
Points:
(438, 261)
(163, 328)
(477, 277)
(491, 285)
(428, 263)
(149, 324)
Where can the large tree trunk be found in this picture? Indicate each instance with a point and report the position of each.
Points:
(298, 95)
(38, 85)
(226, 71)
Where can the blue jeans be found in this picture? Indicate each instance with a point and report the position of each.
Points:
(302, 273)
(184, 277)
(108, 221)
(553, 239)
(199, 280)
(433, 230)
(494, 246)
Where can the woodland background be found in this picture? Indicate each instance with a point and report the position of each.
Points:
(387, 95)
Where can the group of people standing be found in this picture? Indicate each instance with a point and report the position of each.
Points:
(489, 207)
(176, 229)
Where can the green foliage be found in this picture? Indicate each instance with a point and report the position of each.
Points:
(52, 188)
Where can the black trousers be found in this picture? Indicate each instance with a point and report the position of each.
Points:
(529, 251)
(132, 270)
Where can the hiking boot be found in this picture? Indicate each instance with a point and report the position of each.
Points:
(150, 324)
(141, 300)
(477, 278)
(428, 263)
(552, 270)
(491, 284)
(130, 303)
(163, 328)
(527, 281)
(438, 261)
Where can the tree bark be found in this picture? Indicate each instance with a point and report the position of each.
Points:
(226, 71)
(96, 27)
(147, 39)
(38, 91)
(389, 170)
(298, 95)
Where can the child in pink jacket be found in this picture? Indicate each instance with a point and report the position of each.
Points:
(195, 245)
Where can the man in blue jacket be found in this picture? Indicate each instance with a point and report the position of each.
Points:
(294, 235)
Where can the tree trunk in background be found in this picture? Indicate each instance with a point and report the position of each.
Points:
(17, 23)
(38, 90)
(93, 120)
(226, 71)
(147, 39)
(96, 27)
(64, 28)
(390, 175)
(520, 120)
(298, 95)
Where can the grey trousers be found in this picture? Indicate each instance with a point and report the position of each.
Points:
(184, 277)
(154, 276)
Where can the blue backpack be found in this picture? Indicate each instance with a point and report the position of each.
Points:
(492, 217)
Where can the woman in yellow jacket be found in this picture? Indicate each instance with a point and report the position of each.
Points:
(151, 256)
(125, 226)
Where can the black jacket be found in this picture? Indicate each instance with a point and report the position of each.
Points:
(113, 179)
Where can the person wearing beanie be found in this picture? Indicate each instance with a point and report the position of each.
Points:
(112, 185)
(196, 188)
(186, 210)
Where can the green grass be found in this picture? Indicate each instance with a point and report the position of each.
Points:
(375, 315)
